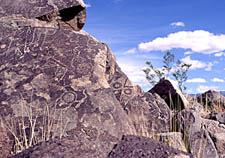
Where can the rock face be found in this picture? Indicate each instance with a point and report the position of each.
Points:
(54, 82)
(199, 141)
(173, 139)
(134, 146)
(149, 114)
(217, 133)
(167, 90)
(212, 101)
(70, 14)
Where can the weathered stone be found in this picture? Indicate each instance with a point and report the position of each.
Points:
(5, 145)
(199, 140)
(35, 8)
(58, 77)
(50, 13)
(217, 133)
(173, 139)
(194, 105)
(168, 90)
(69, 147)
(212, 101)
(149, 114)
(221, 117)
(135, 146)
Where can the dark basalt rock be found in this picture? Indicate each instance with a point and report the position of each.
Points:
(70, 14)
(149, 114)
(167, 90)
(135, 146)
(69, 147)
(35, 8)
(59, 75)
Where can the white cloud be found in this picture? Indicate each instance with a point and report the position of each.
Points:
(135, 73)
(197, 64)
(88, 5)
(219, 54)
(188, 53)
(177, 24)
(202, 88)
(217, 80)
(196, 80)
(130, 51)
(197, 41)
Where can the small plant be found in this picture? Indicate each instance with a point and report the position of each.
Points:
(153, 75)
(33, 127)
(181, 74)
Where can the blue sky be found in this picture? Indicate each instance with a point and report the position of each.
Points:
(144, 30)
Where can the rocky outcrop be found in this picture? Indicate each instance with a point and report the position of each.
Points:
(149, 114)
(134, 146)
(54, 83)
(198, 138)
(168, 90)
(50, 13)
(212, 101)
(217, 133)
(62, 94)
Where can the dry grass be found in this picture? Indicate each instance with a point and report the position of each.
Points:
(33, 126)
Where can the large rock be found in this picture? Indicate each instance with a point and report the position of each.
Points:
(221, 117)
(149, 114)
(54, 82)
(70, 14)
(173, 139)
(198, 139)
(212, 101)
(194, 105)
(133, 147)
(168, 90)
(217, 133)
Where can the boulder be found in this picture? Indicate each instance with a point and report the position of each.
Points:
(194, 105)
(135, 146)
(221, 117)
(173, 139)
(198, 138)
(149, 114)
(212, 101)
(69, 147)
(168, 90)
(217, 133)
(52, 13)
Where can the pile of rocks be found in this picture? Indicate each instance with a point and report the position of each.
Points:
(62, 94)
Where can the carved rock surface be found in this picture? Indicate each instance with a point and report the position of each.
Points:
(149, 114)
(167, 90)
(35, 8)
(135, 146)
(60, 76)
(70, 14)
